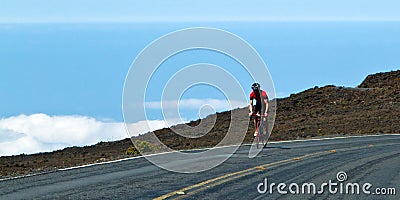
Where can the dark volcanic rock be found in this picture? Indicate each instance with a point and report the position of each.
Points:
(382, 80)
(373, 107)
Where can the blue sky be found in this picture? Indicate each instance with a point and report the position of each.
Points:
(63, 63)
(44, 11)
(79, 69)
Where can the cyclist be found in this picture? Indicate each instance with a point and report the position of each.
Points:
(260, 109)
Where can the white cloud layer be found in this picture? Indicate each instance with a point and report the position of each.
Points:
(42, 133)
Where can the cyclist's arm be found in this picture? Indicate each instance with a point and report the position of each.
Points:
(251, 106)
(266, 106)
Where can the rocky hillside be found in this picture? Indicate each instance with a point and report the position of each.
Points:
(371, 108)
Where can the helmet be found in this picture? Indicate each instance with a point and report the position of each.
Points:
(255, 86)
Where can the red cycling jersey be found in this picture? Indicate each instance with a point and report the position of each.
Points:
(259, 104)
(256, 95)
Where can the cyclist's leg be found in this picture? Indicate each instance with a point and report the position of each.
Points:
(257, 134)
(256, 124)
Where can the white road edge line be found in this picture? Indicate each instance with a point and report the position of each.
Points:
(276, 142)
(136, 157)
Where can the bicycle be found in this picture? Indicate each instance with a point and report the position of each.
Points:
(260, 136)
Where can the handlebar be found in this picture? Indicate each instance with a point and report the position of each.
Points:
(257, 115)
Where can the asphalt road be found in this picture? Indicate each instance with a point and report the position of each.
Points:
(373, 159)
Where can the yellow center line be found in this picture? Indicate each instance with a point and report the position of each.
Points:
(254, 170)
(193, 189)
(231, 176)
(214, 184)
